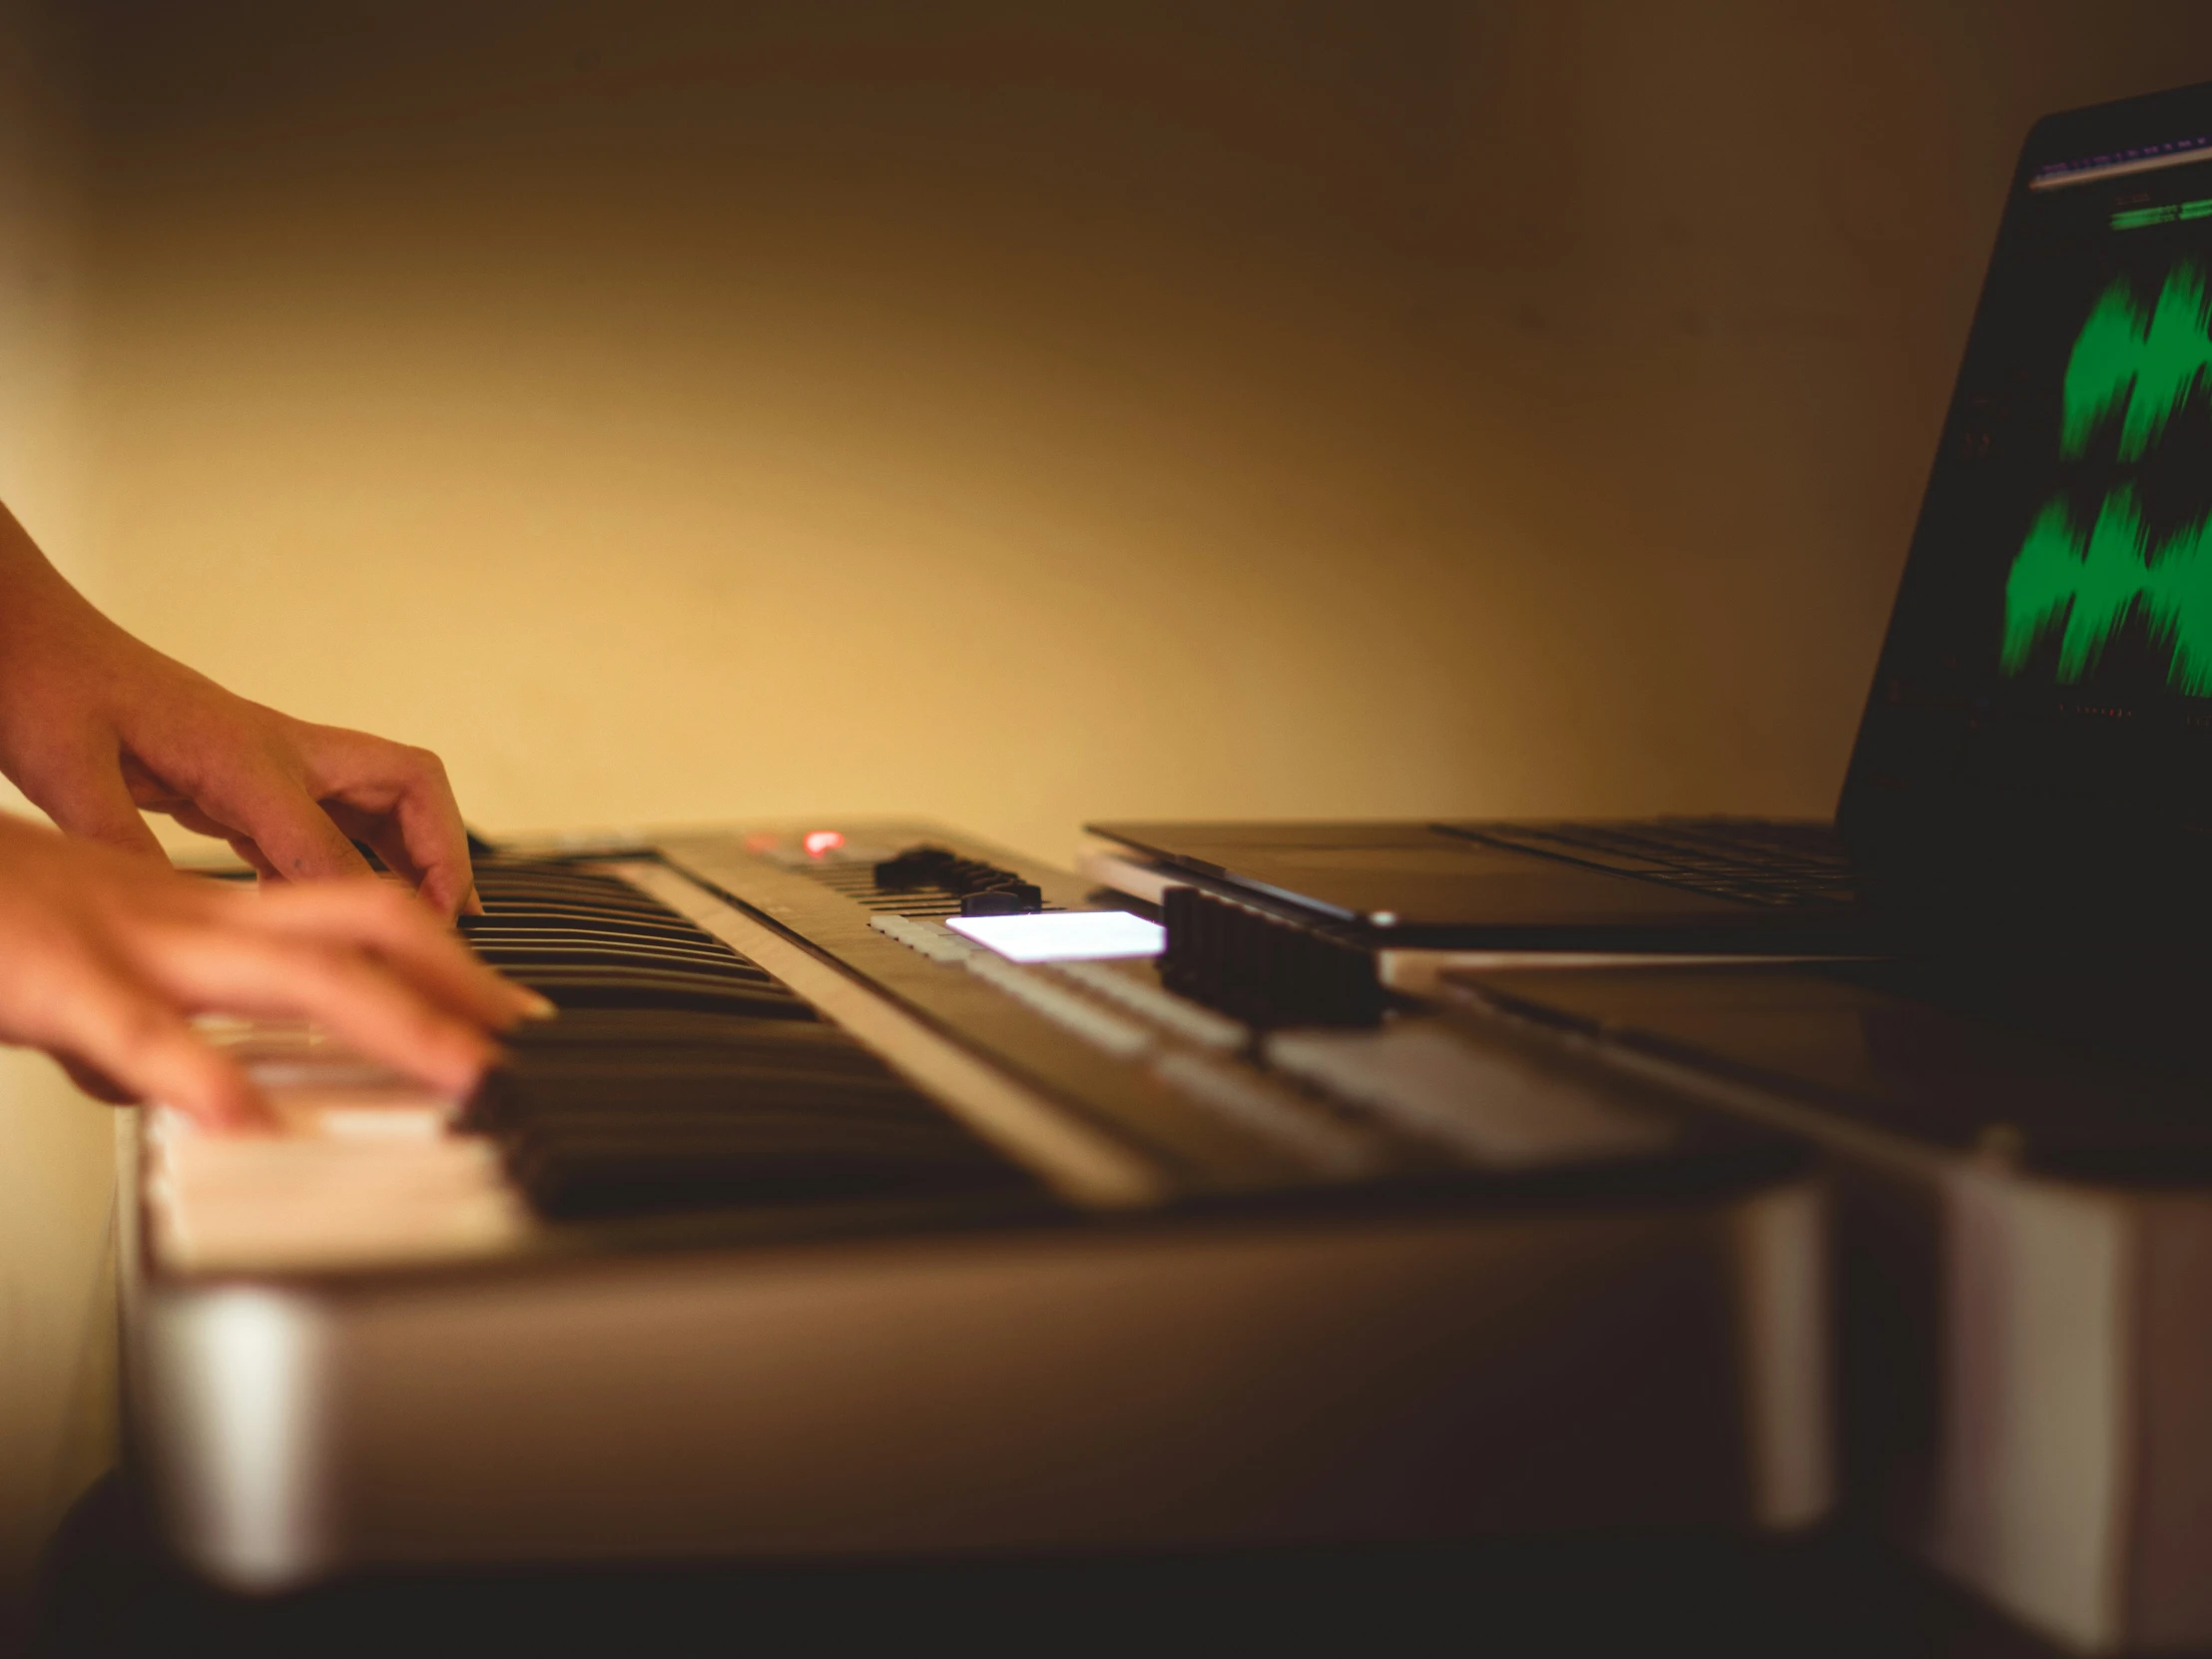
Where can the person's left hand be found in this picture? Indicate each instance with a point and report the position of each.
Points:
(95, 726)
(105, 959)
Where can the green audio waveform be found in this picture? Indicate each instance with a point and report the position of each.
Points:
(2144, 362)
(2171, 212)
(2090, 586)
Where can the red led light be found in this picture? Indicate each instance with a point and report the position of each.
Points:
(819, 842)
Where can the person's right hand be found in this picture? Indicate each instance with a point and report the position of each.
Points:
(97, 727)
(104, 955)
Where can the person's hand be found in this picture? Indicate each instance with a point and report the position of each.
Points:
(106, 956)
(95, 726)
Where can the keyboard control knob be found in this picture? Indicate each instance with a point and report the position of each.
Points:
(1018, 898)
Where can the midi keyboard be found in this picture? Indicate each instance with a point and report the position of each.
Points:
(812, 1226)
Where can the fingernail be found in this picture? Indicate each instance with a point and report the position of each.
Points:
(535, 1007)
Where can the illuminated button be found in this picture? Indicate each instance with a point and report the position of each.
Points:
(819, 842)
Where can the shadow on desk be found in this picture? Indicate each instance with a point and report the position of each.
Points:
(107, 1591)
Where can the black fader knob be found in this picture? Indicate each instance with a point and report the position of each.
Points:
(914, 866)
(1015, 899)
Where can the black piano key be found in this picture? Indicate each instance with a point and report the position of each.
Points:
(566, 1180)
(568, 989)
(536, 924)
(578, 904)
(640, 1110)
(598, 1061)
(775, 1143)
(606, 899)
(612, 900)
(572, 953)
(644, 1088)
(675, 1069)
(680, 1075)
(520, 922)
(587, 940)
(653, 914)
(641, 1105)
(496, 930)
(677, 1031)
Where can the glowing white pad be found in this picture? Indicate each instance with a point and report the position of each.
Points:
(1069, 936)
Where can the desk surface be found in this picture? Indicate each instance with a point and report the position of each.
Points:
(107, 1594)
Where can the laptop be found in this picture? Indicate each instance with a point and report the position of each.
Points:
(2034, 760)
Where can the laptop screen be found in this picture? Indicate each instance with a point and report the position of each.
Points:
(2045, 690)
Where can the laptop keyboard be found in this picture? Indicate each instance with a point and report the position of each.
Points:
(1790, 864)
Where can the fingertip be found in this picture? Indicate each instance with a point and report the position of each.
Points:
(513, 1002)
(128, 1037)
(214, 1092)
(508, 1006)
(449, 1053)
(440, 892)
(252, 1115)
(229, 1101)
(472, 1056)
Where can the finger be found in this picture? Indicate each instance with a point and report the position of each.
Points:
(84, 793)
(95, 1082)
(293, 832)
(140, 1046)
(149, 793)
(363, 1002)
(375, 916)
(250, 855)
(404, 808)
(384, 835)
(392, 846)
(188, 814)
(242, 848)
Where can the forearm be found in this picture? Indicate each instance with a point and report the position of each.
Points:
(40, 612)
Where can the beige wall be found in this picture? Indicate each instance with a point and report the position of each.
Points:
(703, 412)
(41, 300)
(55, 1306)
